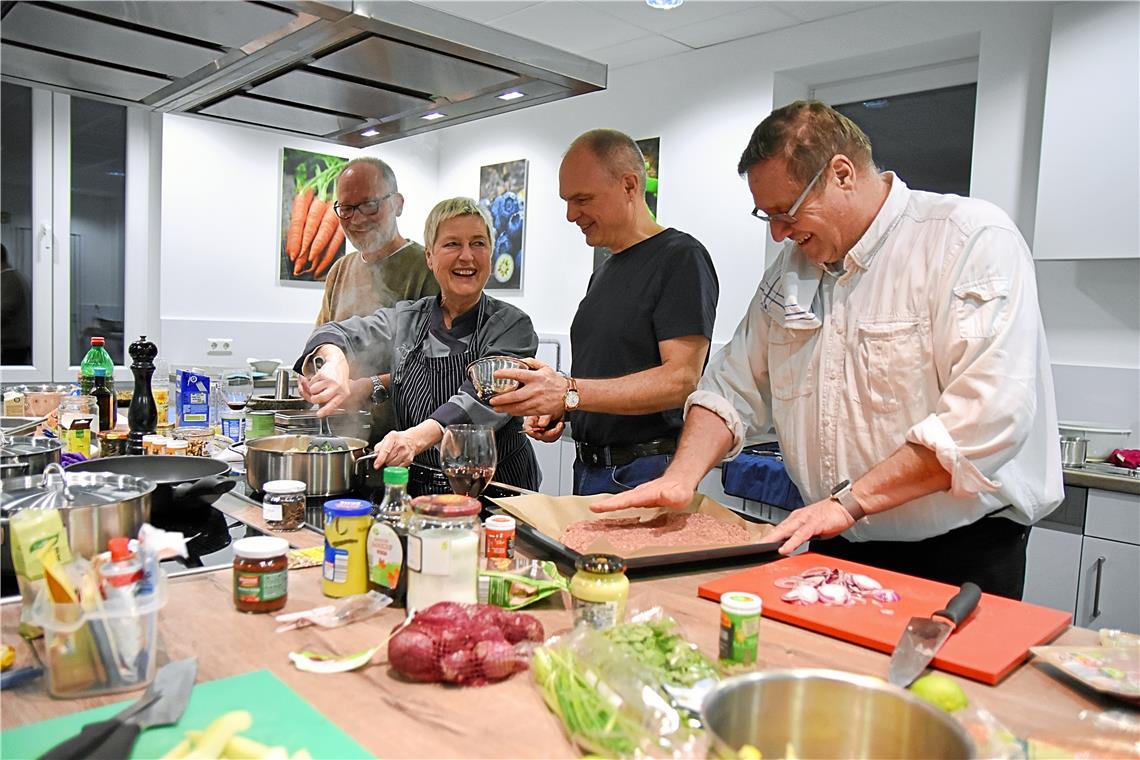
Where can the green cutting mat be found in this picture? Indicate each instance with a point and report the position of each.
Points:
(280, 717)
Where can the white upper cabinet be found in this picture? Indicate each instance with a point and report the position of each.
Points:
(1088, 196)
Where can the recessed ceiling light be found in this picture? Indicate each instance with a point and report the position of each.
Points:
(512, 95)
(370, 133)
(664, 5)
(432, 116)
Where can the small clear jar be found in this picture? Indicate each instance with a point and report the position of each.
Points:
(261, 574)
(283, 505)
(599, 590)
(443, 550)
(197, 440)
(78, 423)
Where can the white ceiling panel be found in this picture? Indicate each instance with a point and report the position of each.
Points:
(637, 51)
(478, 10)
(657, 20)
(814, 11)
(572, 26)
(756, 19)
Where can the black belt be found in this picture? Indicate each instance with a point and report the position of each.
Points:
(619, 456)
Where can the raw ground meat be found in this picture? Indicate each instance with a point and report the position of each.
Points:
(629, 534)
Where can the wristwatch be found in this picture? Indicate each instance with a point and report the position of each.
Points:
(843, 494)
(571, 400)
(379, 391)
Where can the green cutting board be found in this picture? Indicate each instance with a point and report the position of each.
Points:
(280, 717)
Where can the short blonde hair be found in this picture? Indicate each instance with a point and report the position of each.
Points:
(450, 209)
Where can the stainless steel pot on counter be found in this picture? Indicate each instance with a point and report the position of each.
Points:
(1074, 451)
(285, 457)
(27, 455)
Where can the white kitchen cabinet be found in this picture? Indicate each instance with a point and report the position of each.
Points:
(1089, 182)
(1052, 565)
(1108, 595)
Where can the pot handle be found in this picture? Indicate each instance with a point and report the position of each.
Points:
(356, 465)
(21, 468)
(207, 489)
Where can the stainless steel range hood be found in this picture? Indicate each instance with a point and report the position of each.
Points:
(355, 73)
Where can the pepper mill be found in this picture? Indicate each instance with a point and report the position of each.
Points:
(142, 416)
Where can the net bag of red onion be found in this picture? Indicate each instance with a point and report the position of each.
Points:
(467, 644)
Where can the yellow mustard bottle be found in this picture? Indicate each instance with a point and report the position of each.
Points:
(599, 590)
(345, 570)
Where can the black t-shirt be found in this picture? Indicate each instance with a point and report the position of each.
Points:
(662, 288)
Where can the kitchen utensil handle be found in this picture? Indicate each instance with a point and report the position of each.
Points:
(963, 603)
(211, 485)
(120, 742)
(365, 458)
(1096, 588)
(85, 743)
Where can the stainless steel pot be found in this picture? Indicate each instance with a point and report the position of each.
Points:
(284, 457)
(828, 713)
(27, 455)
(1074, 451)
(344, 424)
(94, 506)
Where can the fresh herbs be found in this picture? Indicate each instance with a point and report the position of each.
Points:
(658, 646)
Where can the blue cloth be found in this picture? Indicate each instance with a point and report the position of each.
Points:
(591, 480)
(762, 478)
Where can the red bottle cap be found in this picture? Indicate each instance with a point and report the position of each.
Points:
(97, 341)
(119, 549)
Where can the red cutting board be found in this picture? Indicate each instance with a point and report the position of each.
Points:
(993, 641)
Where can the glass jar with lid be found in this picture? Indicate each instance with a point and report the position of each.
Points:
(78, 423)
(197, 440)
(283, 505)
(443, 550)
(599, 590)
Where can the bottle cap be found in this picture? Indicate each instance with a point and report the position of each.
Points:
(601, 564)
(261, 547)
(346, 508)
(395, 476)
(120, 549)
(100, 372)
(741, 603)
(97, 341)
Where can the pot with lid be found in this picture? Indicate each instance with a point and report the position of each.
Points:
(27, 455)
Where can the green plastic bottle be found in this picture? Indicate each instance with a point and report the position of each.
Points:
(97, 356)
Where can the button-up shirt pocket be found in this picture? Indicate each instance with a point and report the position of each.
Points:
(791, 364)
(889, 363)
(981, 307)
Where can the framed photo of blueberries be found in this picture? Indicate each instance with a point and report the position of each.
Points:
(502, 191)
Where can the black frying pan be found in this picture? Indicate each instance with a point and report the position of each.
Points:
(182, 482)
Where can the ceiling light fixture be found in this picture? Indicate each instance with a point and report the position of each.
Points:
(664, 5)
(432, 116)
(370, 133)
(512, 95)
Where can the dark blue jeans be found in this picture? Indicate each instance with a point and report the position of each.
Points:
(591, 480)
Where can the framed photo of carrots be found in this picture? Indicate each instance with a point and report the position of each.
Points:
(311, 237)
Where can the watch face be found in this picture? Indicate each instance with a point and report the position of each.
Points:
(571, 400)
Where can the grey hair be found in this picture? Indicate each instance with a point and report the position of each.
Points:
(617, 151)
(450, 209)
(383, 168)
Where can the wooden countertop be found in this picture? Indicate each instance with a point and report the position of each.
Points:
(393, 718)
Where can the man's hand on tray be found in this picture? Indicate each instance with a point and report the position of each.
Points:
(662, 492)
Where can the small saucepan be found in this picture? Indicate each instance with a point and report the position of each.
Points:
(181, 482)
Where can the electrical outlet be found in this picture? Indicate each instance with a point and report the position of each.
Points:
(219, 346)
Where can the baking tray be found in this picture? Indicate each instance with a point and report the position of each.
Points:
(559, 551)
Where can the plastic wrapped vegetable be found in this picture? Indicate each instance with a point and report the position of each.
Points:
(520, 583)
(464, 644)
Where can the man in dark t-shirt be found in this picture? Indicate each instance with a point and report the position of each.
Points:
(640, 337)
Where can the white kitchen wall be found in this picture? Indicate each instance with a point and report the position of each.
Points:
(221, 189)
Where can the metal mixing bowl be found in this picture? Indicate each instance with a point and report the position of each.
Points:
(830, 714)
(482, 374)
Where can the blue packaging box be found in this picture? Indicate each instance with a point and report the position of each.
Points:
(192, 399)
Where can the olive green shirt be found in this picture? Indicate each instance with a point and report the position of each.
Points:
(354, 288)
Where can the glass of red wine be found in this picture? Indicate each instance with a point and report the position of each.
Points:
(468, 458)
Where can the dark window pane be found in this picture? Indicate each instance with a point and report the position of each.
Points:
(16, 226)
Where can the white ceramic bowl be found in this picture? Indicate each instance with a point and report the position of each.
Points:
(264, 365)
(1102, 438)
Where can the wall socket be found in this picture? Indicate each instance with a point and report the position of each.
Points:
(219, 346)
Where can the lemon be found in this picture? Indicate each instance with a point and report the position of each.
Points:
(940, 691)
(7, 656)
(748, 752)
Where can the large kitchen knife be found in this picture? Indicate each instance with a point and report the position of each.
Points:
(162, 704)
(925, 635)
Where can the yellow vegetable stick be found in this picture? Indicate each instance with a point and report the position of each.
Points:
(178, 751)
(218, 733)
(237, 748)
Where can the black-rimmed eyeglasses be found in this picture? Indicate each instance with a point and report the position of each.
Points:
(789, 216)
(368, 208)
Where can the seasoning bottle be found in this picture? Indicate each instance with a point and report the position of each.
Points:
(122, 574)
(388, 537)
(599, 590)
(283, 506)
(739, 626)
(345, 571)
(499, 538)
(142, 414)
(104, 400)
(443, 550)
(261, 574)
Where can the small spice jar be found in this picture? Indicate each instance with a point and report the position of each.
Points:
(177, 447)
(443, 550)
(261, 574)
(739, 626)
(197, 440)
(112, 443)
(599, 590)
(283, 506)
(499, 537)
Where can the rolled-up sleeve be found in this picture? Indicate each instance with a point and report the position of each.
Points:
(367, 341)
(986, 327)
(735, 385)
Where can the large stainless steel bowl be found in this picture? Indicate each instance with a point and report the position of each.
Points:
(830, 714)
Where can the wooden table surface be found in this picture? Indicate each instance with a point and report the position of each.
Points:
(393, 718)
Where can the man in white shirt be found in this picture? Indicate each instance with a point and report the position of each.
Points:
(896, 346)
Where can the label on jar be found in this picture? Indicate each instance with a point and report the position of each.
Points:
(500, 544)
(739, 637)
(336, 564)
(271, 510)
(595, 614)
(233, 428)
(385, 556)
(429, 555)
(77, 439)
(260, 587)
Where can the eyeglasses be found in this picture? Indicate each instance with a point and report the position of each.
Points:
(368, 208)
(789, 216)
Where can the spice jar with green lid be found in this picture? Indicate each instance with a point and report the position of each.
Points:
(599, 590)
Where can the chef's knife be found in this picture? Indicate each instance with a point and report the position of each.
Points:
(162, 704)
(924, 635)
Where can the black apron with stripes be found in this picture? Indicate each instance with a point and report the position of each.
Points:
(422, 384)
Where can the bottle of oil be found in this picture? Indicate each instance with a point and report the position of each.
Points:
(387, 543)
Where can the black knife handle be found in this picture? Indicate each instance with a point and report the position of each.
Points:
(963, 603)
(83, 744)
(118, 745)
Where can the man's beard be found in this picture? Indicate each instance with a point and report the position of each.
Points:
(368, 241)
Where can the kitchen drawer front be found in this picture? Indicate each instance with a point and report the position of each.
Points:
(1113, 515)
(1052, 566)
(1107, 594)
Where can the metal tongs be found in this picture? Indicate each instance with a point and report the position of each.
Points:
(326, 441)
